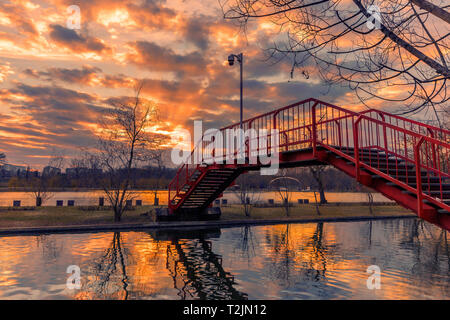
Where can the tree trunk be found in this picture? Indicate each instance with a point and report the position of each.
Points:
(317, 175)
(315, 203)
(323, 200)
(286, 206)
(247, 210)
(117, 215)
(433, 9)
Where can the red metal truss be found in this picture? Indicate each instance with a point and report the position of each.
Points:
(406, 160)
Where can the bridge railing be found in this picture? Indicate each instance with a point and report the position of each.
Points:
(409, 124)
(406, 149)
(293, 122)
(407, 158)
(400, 150)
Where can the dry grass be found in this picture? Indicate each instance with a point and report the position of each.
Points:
(308, 211)
(60, 216)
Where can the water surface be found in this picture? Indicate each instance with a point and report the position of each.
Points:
(290, 261)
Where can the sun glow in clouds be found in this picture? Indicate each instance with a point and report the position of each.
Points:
(119, 16)
(5, 70)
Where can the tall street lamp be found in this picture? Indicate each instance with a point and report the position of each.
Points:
(240, 59)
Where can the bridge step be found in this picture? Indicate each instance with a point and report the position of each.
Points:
(406, 172)
(424, 179)
(425, 185)
(393, 172)
(392, 164)
(437, 194)
(205, 190)
(385, 165)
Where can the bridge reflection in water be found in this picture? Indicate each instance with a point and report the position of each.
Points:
(196, 270)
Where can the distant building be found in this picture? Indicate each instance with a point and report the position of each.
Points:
(51, 171)
(82, 171)
(76, 172)
(12, 170)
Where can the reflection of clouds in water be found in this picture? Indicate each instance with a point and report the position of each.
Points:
(296, 261)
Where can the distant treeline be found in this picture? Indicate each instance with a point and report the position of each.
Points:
(159, 178)
(146, 178)
(332, 180)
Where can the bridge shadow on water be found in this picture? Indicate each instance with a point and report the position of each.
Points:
(197, 271)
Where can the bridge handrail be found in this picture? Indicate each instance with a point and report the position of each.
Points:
(176, 179)
(316, 128)
(434, 148)
(430, 128)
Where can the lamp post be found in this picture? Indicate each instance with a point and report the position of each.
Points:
(240, 58)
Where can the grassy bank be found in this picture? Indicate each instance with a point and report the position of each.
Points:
(61, 216)
(308, 211)
(64, 216)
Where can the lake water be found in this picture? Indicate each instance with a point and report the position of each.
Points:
(289, 261)
(91, 197)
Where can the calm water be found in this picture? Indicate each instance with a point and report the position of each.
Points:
(91, 197)
(292, 261)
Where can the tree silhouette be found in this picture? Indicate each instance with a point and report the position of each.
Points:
(368, 45)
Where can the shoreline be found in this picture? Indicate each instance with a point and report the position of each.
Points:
(176, 225)
(39, 220)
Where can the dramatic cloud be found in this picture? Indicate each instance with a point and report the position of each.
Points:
(48, 117)
(86, 75)
(157, 58)
(56, 82)
(75, 42)
(197, 31)
(18, 16)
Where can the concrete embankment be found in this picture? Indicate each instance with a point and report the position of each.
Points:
(176, 225)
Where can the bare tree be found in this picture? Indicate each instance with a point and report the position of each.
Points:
(285, 185)
(316, 203)
(245, 194)
(86, 170)
(393, 50)
(158, 160)
(370, 200)
(126, 141)
(2, 158)
(41, 185)
(317, 173)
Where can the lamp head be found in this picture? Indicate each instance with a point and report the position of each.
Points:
(231, 59)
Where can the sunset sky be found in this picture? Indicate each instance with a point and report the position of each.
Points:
(55, 81)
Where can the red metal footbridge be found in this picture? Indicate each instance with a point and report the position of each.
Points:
(405, 160)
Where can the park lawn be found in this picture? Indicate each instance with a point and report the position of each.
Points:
(63, 216)
(66, 216)
(308, 211)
